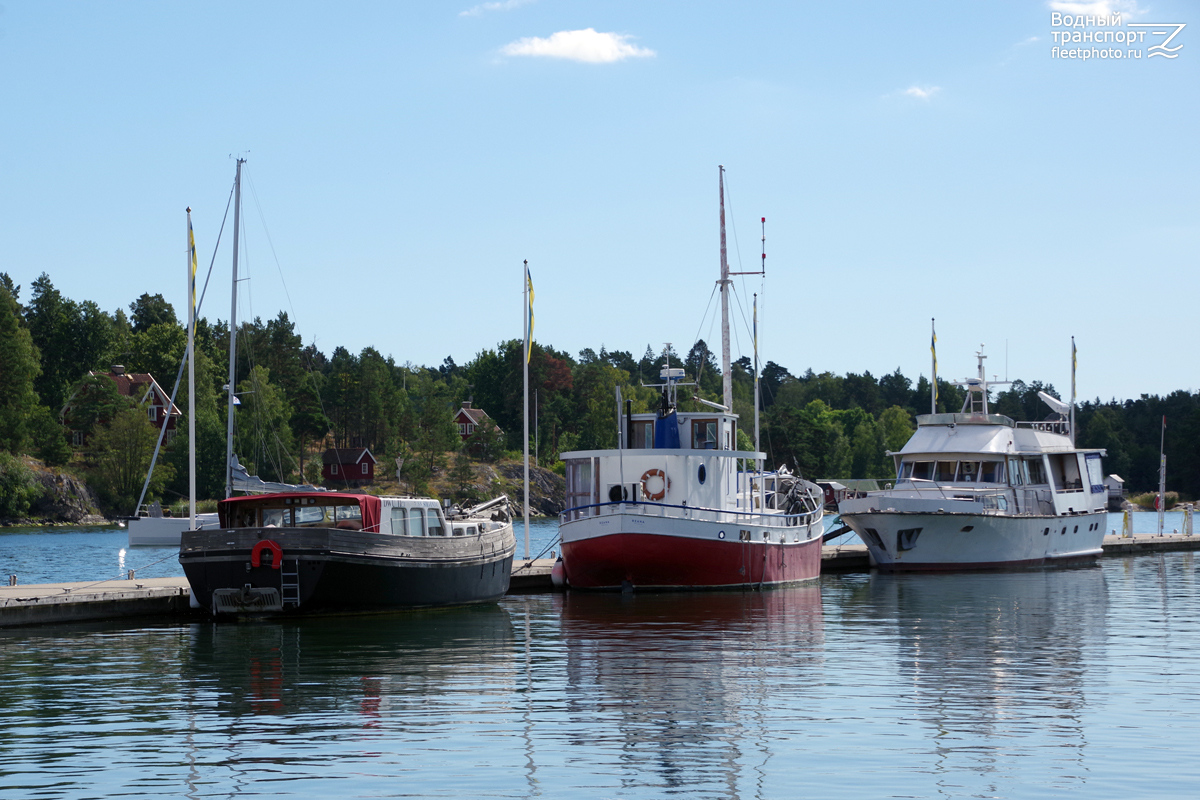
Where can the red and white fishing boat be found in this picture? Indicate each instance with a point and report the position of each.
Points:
(677, 506)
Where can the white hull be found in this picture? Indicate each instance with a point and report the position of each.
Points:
(914, 540)
(164, 531)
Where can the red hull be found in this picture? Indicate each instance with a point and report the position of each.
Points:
(650, 561)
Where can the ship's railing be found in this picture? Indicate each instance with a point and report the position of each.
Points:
(646, 508)
(1026, 501)
(1061, 426)
(990, 498)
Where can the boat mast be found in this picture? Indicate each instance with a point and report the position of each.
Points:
(191, 359)
(232, 398)
(726, 378)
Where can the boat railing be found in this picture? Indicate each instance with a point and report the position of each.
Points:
(1060, 426)
(648, 508)
(991, 498)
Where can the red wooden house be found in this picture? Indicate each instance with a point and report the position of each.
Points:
(350, 465)
(142, 388)
(469, 420)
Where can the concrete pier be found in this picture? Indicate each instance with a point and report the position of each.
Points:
(168, 598)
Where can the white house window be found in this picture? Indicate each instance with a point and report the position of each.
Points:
(364, 468)
(153, 413)
(77, 438)
(333, 469)
(470, 428)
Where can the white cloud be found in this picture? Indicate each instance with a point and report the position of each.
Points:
(586, 45)
(483, 8)
(1097, 8)
(922, 92)
(1028, 41)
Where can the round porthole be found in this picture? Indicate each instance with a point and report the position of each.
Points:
(720, 534)
(701, 473)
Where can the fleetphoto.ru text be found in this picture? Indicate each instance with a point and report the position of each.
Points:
(1084, 36)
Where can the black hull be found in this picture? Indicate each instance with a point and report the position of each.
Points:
(329, 571)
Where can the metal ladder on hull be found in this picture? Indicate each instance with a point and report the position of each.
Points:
(289, 583)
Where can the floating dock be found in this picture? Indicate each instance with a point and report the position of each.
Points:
(170, 598)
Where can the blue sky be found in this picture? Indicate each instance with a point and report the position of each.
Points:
(912, 160)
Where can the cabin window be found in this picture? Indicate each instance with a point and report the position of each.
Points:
(922, 470)
(579, 483)
(701, 474)
(991, 472)
(1064, 467)
(276, 518)
(1014, 472)
(399, 522)
(968, 471)
(704, 434)
(348, 517)
(1036, 471)
(641, 435)
(435, 523)
(1095, 473)
(945, 471)
(416, 522)
(364, 468)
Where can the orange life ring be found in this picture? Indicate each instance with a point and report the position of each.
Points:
(266, 544)
(655, 473)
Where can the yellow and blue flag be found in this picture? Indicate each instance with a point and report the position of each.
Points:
(529, 333)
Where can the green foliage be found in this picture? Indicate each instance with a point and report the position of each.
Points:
(19, 489)
(48, 437)
(263, 435)
(19, 368)
(119, 456)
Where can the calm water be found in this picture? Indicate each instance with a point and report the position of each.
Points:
(1076, 682)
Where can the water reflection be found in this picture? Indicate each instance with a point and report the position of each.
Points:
(346, 663)
(992, 662)
(677, 689)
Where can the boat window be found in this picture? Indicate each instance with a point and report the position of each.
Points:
(701, 474)
(416, 522)
(641, 435)
(968, 471)
(945, 471)
(1037, 474)
(704, 434)
(1095, 473)
(435, 523)
(274, 518)
(922, 470)
(905, 472)
(348, 517)
(1064, 467)
(991, 472)
(311, 516)
(907, 539)
(1014, 472)
(399, 522)
(579, 482)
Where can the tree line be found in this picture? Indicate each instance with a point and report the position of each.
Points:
(296, 401)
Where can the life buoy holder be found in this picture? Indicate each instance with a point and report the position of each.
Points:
(651, 474)
(266, 544)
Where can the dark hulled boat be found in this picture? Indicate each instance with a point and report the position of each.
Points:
(288, 553)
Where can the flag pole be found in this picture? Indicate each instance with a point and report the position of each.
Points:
(525, 368)
(1074, 359)
(933, 351)
(191, 359)
(1162, 476)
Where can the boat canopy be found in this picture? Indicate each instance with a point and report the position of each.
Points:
(322, 509)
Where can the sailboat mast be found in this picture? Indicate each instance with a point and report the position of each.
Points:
(232, 398)
(726, 378)
(191, 359)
